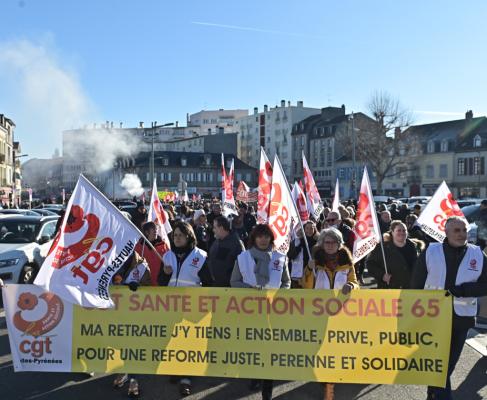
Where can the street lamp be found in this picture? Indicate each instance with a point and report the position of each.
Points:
(15, 157)
(154, 126)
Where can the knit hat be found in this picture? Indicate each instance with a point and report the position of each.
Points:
(198, 214)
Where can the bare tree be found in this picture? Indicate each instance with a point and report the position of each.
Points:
(380, 142)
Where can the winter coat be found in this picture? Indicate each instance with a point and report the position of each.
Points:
(397, 265)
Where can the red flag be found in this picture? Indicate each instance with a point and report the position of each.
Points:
(300, 201)
(264, 189)
(228, 201)
(366, 230)
(315, 205)
(158, 215)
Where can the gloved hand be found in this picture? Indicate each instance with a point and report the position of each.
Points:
(457, 291)
(133, 286)
(347, 288)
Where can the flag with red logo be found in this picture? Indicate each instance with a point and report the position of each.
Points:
(315, 205)
(300, 201)
(228, 200)
(94, 241)
(441, 206)
(242, 192)
(366, 229)
(282, 213)
(336, 198)
(158, 215)
(264, 189)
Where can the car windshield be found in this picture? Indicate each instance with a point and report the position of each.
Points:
(471, 212)
(18, 231)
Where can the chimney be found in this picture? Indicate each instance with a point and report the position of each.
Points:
(121, 125)
(141, 124)
(300, 103)
(283, 103)
(288, 103)
(221, 130)
(177, 124)
(469, 114)
(343, 108)
(107, 124)
(209, 131)
(397, 131)
(111, 124)
(256, 110)
(187, 118)
(265, 108)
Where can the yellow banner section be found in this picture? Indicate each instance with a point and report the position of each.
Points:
(369, 336)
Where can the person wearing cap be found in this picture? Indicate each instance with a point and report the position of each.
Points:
(201, 229)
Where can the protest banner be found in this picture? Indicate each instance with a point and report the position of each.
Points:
(441, 206)
(158, 215)
(314, 202)
(228, 201)
(366, 229)
(264, 189)
(94, 241)
(336, 198)
(369, 336)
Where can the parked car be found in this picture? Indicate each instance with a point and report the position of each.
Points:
(44, 212)
(468, 202)
(472, 212)
(18, 211)
(24, 243)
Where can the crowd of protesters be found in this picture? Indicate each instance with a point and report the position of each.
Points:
(209, 249)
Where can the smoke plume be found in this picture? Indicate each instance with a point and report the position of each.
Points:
(132, 184)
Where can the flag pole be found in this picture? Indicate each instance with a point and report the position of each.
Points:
(295, 209)
(115, 208)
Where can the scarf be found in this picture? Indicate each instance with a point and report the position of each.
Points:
(262, 259)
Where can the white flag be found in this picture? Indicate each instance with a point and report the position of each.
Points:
(366, 230)
(441, 206)
(336, 198)
(282, 213)
(315, 205)
(158, 215)
(228, 200)
(300, 200)
(264, 189)
(94, 241)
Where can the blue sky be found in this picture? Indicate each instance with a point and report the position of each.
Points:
(63, 63)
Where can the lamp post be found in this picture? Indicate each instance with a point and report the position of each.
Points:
(154, 126)
(353, 184)
(15, 158)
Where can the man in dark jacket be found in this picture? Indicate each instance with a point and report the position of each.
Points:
(223, 252)
(460, 269)
(139, 215)
(481, 222)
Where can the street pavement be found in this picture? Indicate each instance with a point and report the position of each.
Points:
(469, 383)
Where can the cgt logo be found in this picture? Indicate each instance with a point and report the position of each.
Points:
(195, 262)
(473, 265)
(276, 266)
(28, 302)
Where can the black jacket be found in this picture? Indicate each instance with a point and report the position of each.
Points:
(221, 259)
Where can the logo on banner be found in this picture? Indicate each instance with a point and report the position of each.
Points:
(364, 217)
(195, 261)
(449, 208)
(28, 302)
(280, 211)
(276, 266)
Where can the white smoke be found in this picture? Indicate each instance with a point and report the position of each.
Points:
(132, 184)
(41, 94)
(101, 147)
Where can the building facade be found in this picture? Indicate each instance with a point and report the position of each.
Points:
(212, 122)
(7, 127)
(271, 129)
(200, 171)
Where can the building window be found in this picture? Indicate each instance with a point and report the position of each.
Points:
(444, 146)
(477, 141)
(165, 161)
(461, 166)
(184, 161)
(477, 169)
(430, 147)
(248, 176)
(341, 173)
(430, 171)
(443, 171)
